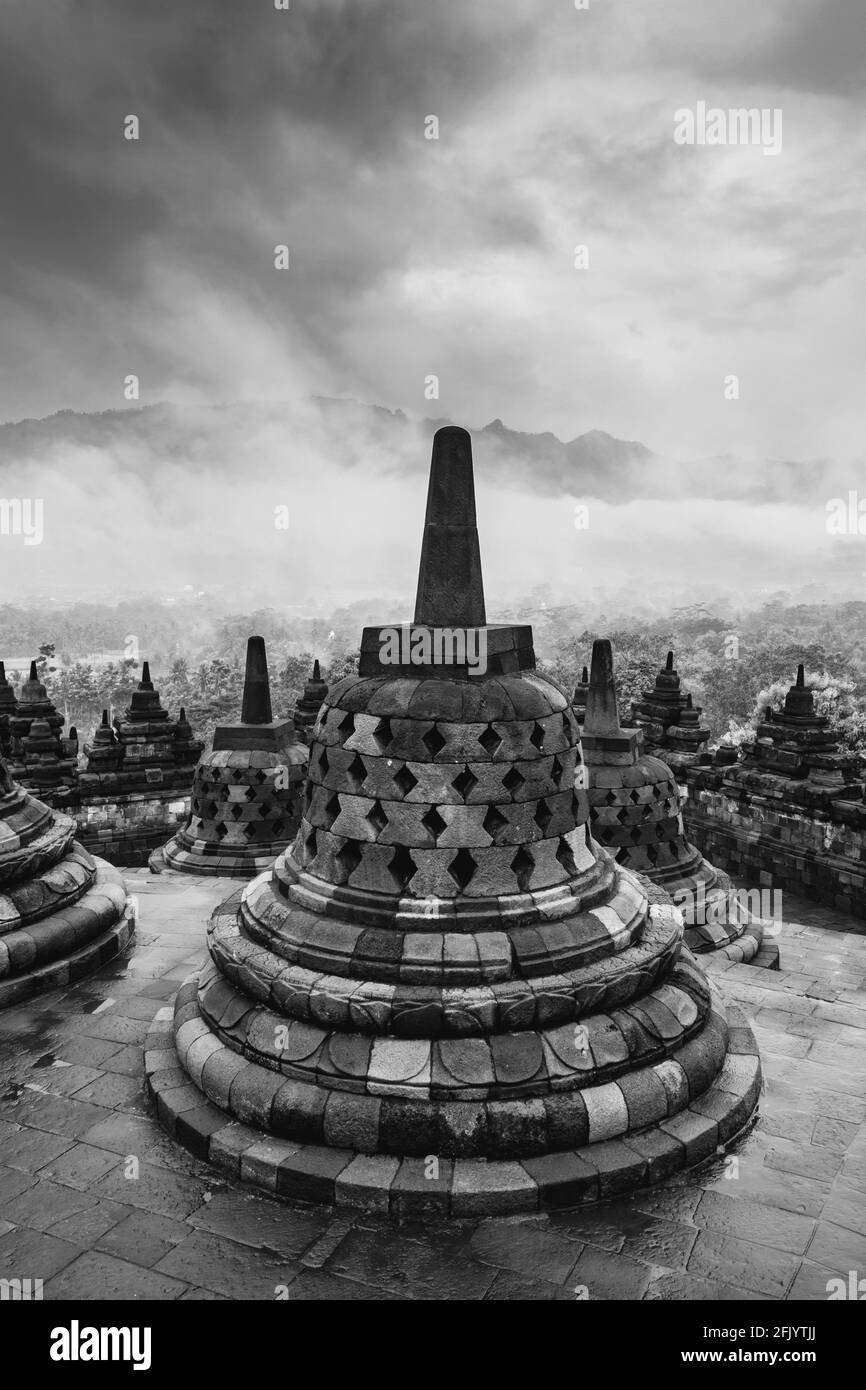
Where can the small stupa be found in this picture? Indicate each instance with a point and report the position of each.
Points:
(637, 815)
(798, 745)
(105, 753)
(8, 709)
(578, 699)
(445, 963)
(62, 912)
(308, 706)
(39, 755)
(668, 717)
(246, 792)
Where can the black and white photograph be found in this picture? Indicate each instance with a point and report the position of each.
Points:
(432, 670)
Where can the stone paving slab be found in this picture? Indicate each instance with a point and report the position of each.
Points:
(96, 1200)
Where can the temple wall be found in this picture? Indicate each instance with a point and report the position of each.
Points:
(770, 843)
(126, 829)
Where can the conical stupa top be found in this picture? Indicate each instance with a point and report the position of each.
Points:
(602, 716)
(2, 670)
(145, 683)
(669, 664)
(34, 674)
(801, 676)
(317, 674)
(256, 707)
(105, 723)
(450, 583)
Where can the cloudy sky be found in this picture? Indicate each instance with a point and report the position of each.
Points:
(413, 258)
(455, 257)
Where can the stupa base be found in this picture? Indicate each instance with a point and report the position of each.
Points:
(749, 948)
(430, 1187)
(175, 858)
(81, 938)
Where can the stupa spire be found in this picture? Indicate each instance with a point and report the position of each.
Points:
(450, 584)
(34, 674)
(602, 716)
(256, 707)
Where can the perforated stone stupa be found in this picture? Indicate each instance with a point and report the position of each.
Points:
(637, 815)
(62, 912)
(446, 997)
(246, 792)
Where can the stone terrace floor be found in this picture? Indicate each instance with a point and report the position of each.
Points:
(778, 1224)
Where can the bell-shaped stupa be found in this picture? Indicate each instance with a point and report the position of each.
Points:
(637, 815)
(62, 912)
(246, 792)
(446, 997)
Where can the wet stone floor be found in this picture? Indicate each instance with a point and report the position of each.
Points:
(99, 1203)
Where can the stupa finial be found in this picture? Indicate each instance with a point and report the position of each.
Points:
(450, 584)
(602, 716)
(801, 677)
(584, 680)
(317, 674)
(145, 683)
(256, 707)
(669, 664)
(34, 674)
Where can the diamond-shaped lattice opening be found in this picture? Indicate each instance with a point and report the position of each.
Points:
(433, 823)
(324, 763)
(565, 855)
(308, 796)
(376, 817)
(251, 794)
(462, 869)
(349, 857)
(622, 815)
(610, 799)
(575, 805)
(636, 835)
(543, 816)
(634, 796)
(402, 867)
(405, 780)
(382, 734)
(494, 822)
(652, 854)
(251, 830)
(513, 780)
(260, 776)
(236, 811)
(661, 832)
(221, 831)
(490, 741)
(464, 782)
(310, 846)
(332, 810)
(522, 865)
(536, 738)
(356, 772)
(346, 726)
(433, 741)
(556, 771)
